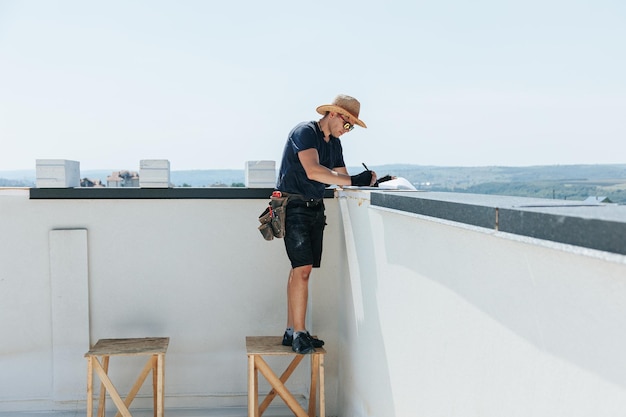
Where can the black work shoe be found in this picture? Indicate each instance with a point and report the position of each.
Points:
(317, 343)
(302, 343)
(288, 340)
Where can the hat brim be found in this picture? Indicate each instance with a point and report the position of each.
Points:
(331, 107)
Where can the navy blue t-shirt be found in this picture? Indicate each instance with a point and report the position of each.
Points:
(292, 177)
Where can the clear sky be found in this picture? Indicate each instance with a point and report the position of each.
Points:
(212, 84)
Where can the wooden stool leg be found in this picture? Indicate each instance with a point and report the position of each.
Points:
(102, 397)
(313, 392)
(89, 387)
(160, 394)
(155, 399)
(253, 388)
(322, 393)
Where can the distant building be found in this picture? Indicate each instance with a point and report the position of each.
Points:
(123, 179)
(86, 182)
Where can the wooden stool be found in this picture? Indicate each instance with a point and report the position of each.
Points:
(257, 347)
(153, 346)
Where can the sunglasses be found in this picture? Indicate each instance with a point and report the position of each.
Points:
(346, 124)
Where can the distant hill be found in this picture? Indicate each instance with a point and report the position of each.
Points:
(459, 176)
(575, 182)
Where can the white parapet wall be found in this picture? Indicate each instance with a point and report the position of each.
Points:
(421, 315)
(442, 318)
(57, 173)
(78, 270)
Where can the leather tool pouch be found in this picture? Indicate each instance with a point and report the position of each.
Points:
(266, 228)
(273, 218)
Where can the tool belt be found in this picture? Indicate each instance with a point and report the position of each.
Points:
(299, 200)
(273, 217)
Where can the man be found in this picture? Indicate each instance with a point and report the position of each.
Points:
(312, 158)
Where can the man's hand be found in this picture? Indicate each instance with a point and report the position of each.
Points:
(364, 179)
(383, 179)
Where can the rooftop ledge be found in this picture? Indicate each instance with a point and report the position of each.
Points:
(153, 193)
(589, 225)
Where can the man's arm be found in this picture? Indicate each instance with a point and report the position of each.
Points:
(314, 171)
(341, 170)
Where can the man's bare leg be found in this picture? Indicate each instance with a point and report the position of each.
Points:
(297, 297)
(289, 318)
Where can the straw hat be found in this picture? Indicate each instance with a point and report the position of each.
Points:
(346, 105)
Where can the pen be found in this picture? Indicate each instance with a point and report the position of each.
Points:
(365, 166)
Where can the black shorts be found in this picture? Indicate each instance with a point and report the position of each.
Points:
(304, 232)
